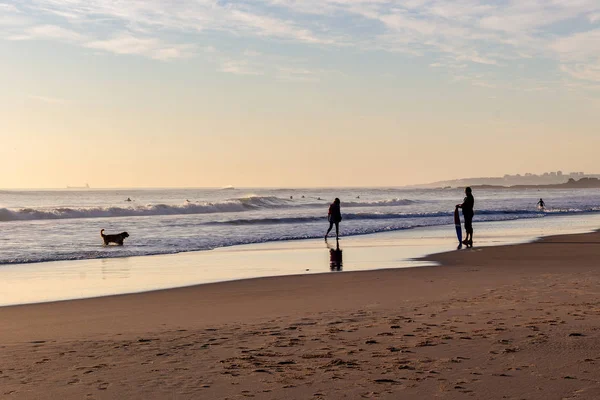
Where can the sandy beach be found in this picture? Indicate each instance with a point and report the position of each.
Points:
(513, 322)
(176, 176)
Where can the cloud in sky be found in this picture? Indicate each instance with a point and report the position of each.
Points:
(242, 67)
(49, 32)
(492, 34)
(46, 99)
(289, 74)
(150, 47)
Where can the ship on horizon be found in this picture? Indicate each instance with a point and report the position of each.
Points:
(87, 186)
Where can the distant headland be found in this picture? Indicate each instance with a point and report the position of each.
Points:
(583, 183)
(549, 180)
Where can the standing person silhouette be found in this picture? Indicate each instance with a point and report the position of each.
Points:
(334, 216)
(467, 210)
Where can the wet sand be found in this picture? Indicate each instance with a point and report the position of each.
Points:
(514, 322)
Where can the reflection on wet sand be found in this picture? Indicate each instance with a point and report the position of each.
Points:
(336, 262)
(115, 268)
(63, 280)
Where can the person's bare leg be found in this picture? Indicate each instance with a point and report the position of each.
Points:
(329, 230)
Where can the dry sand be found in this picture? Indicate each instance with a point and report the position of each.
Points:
(512, 322)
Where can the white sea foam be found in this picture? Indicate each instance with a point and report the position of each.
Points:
(234, 205)
(247, 203)
(379, 203)
(64, 225)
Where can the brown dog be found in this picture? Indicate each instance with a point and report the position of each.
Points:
(118, 238)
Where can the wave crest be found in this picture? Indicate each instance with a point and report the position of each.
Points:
(247, 203)
(380, 203)
(234, 205)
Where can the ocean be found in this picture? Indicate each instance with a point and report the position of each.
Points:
(53, 225)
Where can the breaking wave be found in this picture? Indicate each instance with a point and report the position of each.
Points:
(234, 205)
(482, 215)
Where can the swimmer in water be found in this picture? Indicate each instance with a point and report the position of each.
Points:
(541, 204)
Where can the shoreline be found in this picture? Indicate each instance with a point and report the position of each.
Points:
(592, 214)
(71, 280)
(434, 260)
(515, 321)
(439, 260)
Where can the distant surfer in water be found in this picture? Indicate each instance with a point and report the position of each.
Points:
(541, 204)
(334, 216)
(467, 210)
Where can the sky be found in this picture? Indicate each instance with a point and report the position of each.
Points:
(295, 93)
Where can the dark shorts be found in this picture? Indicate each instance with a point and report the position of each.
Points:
(468, 223)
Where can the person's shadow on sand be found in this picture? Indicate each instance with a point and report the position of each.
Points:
(336, 262)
